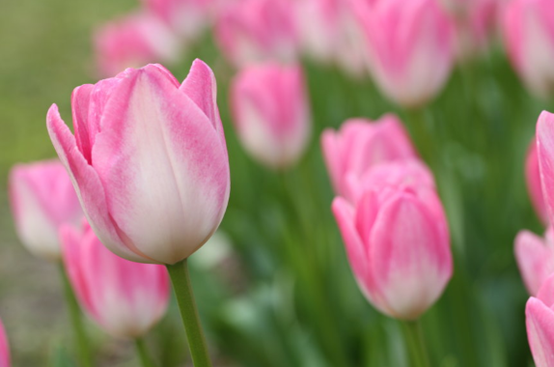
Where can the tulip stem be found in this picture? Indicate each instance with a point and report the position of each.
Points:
(144, 357)
(180, 279)
(416, 344)
(75, 316)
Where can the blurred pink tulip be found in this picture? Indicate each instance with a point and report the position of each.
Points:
(398, 246)
(132, 41)
(187, 18)
(271, 113)
(255, 31)
(539, 314)
(410, 48)
(533, 178)
(149, 161)
(528, 27)
(360, 145)
(42, 199)
(545, 151)
(4, 348)
(124, 297)
(535, 258)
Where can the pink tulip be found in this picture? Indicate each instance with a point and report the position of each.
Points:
(533, 178)
(124, 297)
(132, 41)
(148, 160)
(535, 258)
(255, 31)
(528, 27)
(271, 113)
(187, 18)
(410, 48)
(360, 145)
(4, 348)
(545, 151)
(397, 243)
(42, 199)
(539, 314)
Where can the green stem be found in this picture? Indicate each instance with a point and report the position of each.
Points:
(144, 357)
(76, 320)
(180, 279)
(421, 135)
(416, 344)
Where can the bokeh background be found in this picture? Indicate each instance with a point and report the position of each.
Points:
(275, 288)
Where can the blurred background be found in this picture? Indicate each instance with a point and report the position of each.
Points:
(274, 286)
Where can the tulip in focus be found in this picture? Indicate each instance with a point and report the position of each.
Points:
(527, 27)
(132, 41)
(539, 314)
(360, 145)
(148, 160)
(4, 348)
(533, 178)
(253, 31)
(271, 113)
(398, 247)
(42, 199)
(187, 18)
(410, 49)
(535, 258)
(124, 297)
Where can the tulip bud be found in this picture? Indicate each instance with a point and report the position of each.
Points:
(397, 244)
(132, 41)
(124, 297)
(187, 18)
(360, 145)
(271, 113)
(535, 258)
(148, 160)
(254, 31)
(4, 348)
(545, 152)
(539, 314)
(533, 178)
(527, 28)
(411, 49)
(42, 199)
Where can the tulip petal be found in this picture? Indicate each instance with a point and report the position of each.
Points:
(159, 151)
(86, 183)
(534, 259)
(540, 332)
(546, 292)
(545, 147)
(80, 101)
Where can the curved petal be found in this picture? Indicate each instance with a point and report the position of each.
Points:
(534, 259)
(540, 332)
(159, 151)
(545, 147)
(87, 185)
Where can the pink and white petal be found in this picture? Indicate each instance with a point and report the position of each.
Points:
(545, 147)
(533, 259)
(546, 291)
(87, 185)
(540, 332)
(160, 152)
(80, 101)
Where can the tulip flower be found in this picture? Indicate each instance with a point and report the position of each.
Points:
(397, 244)
(410, 49)
(539, 314)
(545, 151)
(535, 258)
(527, 29)
(533, 178)
(360, 145)
(132, 41)
(187, 18)
(42, 199)
(124, 297)
(148, 160)
(271, 113)
(4, 348)
(253, 31)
